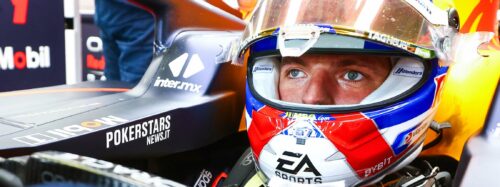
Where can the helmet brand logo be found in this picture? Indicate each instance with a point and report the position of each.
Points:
(263, 69)
(304, 165)
(409, 72)
(388, 40)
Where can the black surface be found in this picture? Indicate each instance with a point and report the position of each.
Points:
(197, 119)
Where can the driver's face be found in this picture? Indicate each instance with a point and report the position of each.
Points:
(331, 79)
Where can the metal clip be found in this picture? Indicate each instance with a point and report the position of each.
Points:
(306, 34)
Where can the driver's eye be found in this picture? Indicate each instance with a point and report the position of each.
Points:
(353, 76)
(295, 73)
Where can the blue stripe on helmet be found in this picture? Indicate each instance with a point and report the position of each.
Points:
(377, 46)
(265, 44)
(250, 102)
(411, 107)
(442, 70)
(270, 43)
(399, 144)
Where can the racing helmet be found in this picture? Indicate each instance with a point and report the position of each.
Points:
(341, 91)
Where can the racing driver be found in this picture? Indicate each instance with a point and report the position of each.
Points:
(339, 92)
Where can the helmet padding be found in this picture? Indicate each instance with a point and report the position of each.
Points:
(265, 74)
(405, 74)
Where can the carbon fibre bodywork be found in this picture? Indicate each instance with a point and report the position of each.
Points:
(165, 113)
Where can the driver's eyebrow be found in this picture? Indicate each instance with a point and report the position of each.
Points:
(291, 60)
(348, 62)
(363, 62)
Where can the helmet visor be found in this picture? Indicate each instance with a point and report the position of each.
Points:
(394, 22)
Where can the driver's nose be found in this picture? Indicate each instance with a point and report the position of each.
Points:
(318, 90)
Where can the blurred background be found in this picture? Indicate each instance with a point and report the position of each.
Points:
(53, 42)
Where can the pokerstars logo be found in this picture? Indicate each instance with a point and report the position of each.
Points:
(193, 67)
(27, 59)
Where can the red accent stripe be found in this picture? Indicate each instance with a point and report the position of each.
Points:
(355, 135)
(439, 84)
(217, 180)
(264, 127)
(485, 11)
(271, 112)
(358, 138)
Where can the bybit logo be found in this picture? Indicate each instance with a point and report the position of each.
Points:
(194, 66)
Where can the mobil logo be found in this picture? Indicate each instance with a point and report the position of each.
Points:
(27, 59)
(194, 66)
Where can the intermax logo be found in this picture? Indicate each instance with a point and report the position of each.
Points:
(194, 66)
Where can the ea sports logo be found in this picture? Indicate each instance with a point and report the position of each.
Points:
(292, 164)
(304, 165)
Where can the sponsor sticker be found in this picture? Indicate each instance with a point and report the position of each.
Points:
(291, 164)
(154, 131)
(378, 167)
(317, 117)
(424, 53)
(413, 135)
(302, 130)
(204, 179)
(70, 131)
(408, 71)
(186, 65)
(263, 68)
(27, 59)
(180, 85)
(247, 160)
(432, 13)
(388, 40)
